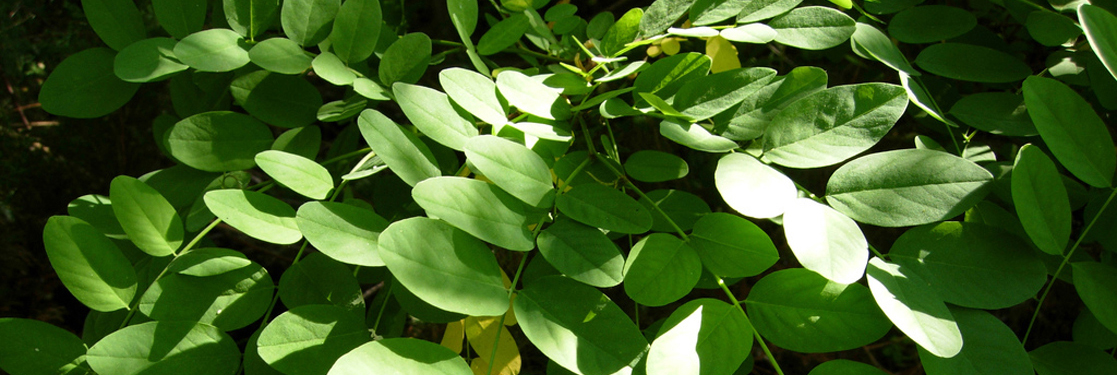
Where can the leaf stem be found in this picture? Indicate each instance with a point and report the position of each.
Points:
(500, 325)
(759, 339)
(655, 206)
(1063, 264)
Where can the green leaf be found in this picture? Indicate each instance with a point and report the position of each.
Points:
(297, 173)
(503, 35)
(759, 10)
(513, 167)
(622, 32)
(303, 141)
(96, 210)
(661, 15)
(307, 340)
(117, 22)
(967, 62)
(356, 30)
(251, 17)
(308, 22)
(1088, 330)
(991, 348)
(402, 150)
(463, 14)
(213, 50)
(332, 69)
(277, 99)
(180, 184)
(695, 136)
(218, 141)
(208, 262)
(431, 111)
(813, 28)
(180, 17)
(532, 96)
(970, 264)
(1094, 283)
(341, 110)
(731, 246)
(845, 367)
(578, 327)
(1072, 130)
(229, 300)
(405, 60)
(582, 253)
(89, 265)
(344, 232)
(32, 347)
(1052, 29)
(833, 125)
(606, 208)
(876, 45)
(319, 280)
(911, 304)
(186, 348)
(666, 76)
(148, 60)
(682, 207)
(1000, 113)
(475, 93)
(930, 23)
(660, 269)
(148, 219)
(826, 241)
(401, 356)
(655, 166)
(253, 364)
(802, 311)
(280, 55)
(708, 12)
(84, 85)
(256, 214)
(752, 188)
(414, 306)
(1041, 200)
(906, 187)
(1069, 358)
(705, 97)
(1100, 26)
(756, 33)
(753, 117)
(477, 207)
(444, 266)
(702, 336)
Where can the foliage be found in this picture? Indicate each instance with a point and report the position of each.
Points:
(561, 155)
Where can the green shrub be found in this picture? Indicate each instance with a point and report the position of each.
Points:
(589, 147)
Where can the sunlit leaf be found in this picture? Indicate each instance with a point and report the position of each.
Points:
(229, 300)
(513, 167)
(149, 220)
(400, 356)
(280, 55)
(344, 232)
(213, 50)
(477, 207)
(307, 340)
(430, 111)
(407, 156)
(752, 188)
(702, 336)
(826, 241)
(914, 308)
(813, 28)
(604, 207)
(256, 214)
(89, 264)
(154, 348)
(148, 60)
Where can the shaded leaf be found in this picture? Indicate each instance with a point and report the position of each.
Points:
(660, 269)
(477, 207)
(88, 264)
(166, 348)
(256, 214)
(343, 232)
(149, 220)
(731, 246)
(1075, 134)
(218, 141)
(307, 340)
(1041, 200)
(85, 86)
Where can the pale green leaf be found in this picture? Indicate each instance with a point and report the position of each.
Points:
(431, 111)
(477, 207)
(213, 50)
(400, 356)
(229, 300)
(513, 167)
(531, 96)
(753, 188)
(308, 22)
(405, 60)
(218, 141)
(604, 207)
(344, 232)
(813, 28)
(582, 253)
(297, 173)
(475, 93)
(826, 241)
(280, 55)
(307, 340)
(702, 336)
(914, 308)
(403, 152)
(149, 220)
(256, 214)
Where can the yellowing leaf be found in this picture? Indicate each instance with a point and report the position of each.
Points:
(670, 46)
(452, 338)
(481, 332)
(723, 53)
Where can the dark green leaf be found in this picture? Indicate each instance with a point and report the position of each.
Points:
(218, 141)
(906, 187)
(32, 347)
(666, 76)
(622, 32)
(655, 166)
(277, 99)
(705, 97)
(683, 208)
(344, 232)
(1100, 26)
(1069, 358)
(156, 348)
(89, 265)
(753, 188)
(85, 86)
(180, 17)
(303, 141)
(991, 348)
(753, 117)
(871, 41)
(463, 14)
(604, 207)
(1094, 283)
(930, 23)
(308, 22)
(660, 269)
(402, 150)
(731, 246)
(845, 367)
(813, 28)
(833, 125)
(256, 214)
(702, 336)
(503, 35)
(1076, 135)
(229, 300)
(148, 60)
(973, 63)
(477, 207)
(148, 219)
(1041, 200)
(117, 22)
(319, 280)
(911, 304)
(307, 340)
(405, 60)
(1052, 29)
(401, 356)
(999, 113)
(582, 253)
(578, 327)
(802, 311)
(97, 211)
(251, 17)
(213, 50)
(444, 266)
(356, 30)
